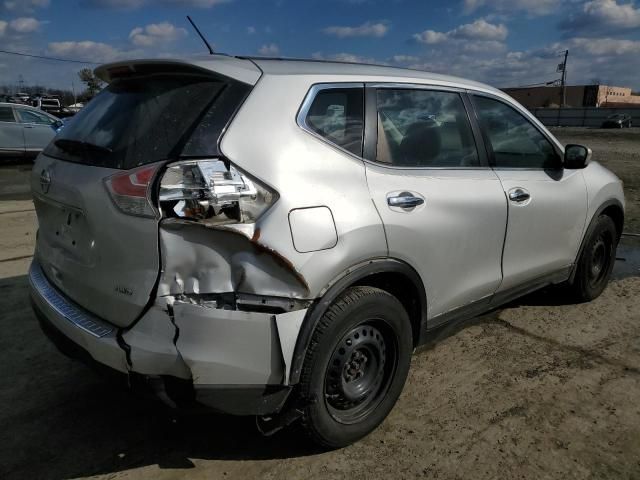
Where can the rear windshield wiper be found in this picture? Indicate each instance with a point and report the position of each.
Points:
(72, 146)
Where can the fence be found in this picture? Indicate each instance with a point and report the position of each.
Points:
(581, 117)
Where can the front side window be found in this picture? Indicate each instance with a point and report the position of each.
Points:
(516, 143)
(337, 115)
(27, 116)
(6, 114)
(423, 128)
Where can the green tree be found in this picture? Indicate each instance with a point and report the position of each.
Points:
(93, 83)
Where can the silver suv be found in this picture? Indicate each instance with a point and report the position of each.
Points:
(274, 237)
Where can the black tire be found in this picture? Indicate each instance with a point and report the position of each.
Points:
(596, 260)
(355, 367)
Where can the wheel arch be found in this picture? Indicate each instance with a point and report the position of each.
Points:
(612, 208)
(394, 276)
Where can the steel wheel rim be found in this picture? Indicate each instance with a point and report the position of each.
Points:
(600, 260)
(360, 371)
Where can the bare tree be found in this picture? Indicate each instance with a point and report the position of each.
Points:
(93, 83)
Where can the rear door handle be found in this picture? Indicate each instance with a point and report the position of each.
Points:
(405, 200)
(519, 195)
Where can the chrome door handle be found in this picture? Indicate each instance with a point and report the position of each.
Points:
(519, 195)
(405, 200)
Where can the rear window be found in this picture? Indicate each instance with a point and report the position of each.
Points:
(136, 121)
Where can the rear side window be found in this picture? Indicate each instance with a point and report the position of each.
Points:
(516, 143)
(136, 121)
(337, 115)
(424, 128)
(6, 114)
(27, 116)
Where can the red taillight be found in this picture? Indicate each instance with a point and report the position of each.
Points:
(130, 190)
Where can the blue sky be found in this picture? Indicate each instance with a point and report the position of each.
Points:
(501, 42)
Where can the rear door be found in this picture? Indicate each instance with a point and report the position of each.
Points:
(547, 204)
(443, 208)
(11, 132)
(92, 186)
(39, 129)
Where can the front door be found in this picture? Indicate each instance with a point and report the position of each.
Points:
(443, 208)
(547, 204)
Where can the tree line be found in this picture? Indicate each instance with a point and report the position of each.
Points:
(91, 87)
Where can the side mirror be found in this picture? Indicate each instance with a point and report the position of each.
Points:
(576, 156)
(58, 123)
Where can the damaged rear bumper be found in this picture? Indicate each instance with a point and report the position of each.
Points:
(237, 362)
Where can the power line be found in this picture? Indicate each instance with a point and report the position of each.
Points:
(20, 54)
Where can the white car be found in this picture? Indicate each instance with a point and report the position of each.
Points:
(25, 131)
(275, 237)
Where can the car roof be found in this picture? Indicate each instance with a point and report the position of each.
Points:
(27, 107)
(249, 70)
(287, 66)
(22, 105)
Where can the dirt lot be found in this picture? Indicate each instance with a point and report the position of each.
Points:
(540, 389)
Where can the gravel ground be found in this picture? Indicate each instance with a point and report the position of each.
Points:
(540, 389)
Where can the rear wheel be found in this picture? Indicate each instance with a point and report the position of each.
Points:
(596, 260)
(356, 366)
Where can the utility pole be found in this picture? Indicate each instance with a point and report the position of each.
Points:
(563, 81)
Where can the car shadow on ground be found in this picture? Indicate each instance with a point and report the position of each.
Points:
(60, 419)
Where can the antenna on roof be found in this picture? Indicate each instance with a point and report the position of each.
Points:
(200, 34)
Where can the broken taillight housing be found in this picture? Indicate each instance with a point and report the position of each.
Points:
(130, 190)
(212, 190)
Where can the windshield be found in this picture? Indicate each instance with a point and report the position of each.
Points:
(137, 121)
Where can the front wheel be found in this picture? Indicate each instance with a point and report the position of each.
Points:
(356, 366)
(596, 260)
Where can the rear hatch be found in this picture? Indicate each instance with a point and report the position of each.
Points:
(93, 186)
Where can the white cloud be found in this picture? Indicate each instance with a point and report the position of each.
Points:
(615, 61)
(269, 50)
(24, 25)
(404, 59)
(3, 27)
(480, 30)
(597, 16)
(531, 7)
(251, 30)
(610, 13)
(84, 50)
(367, 29)
(156, 33)
(196, 3)
(345, 57)
(132, 4)
(604, 46)
(24, 5)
